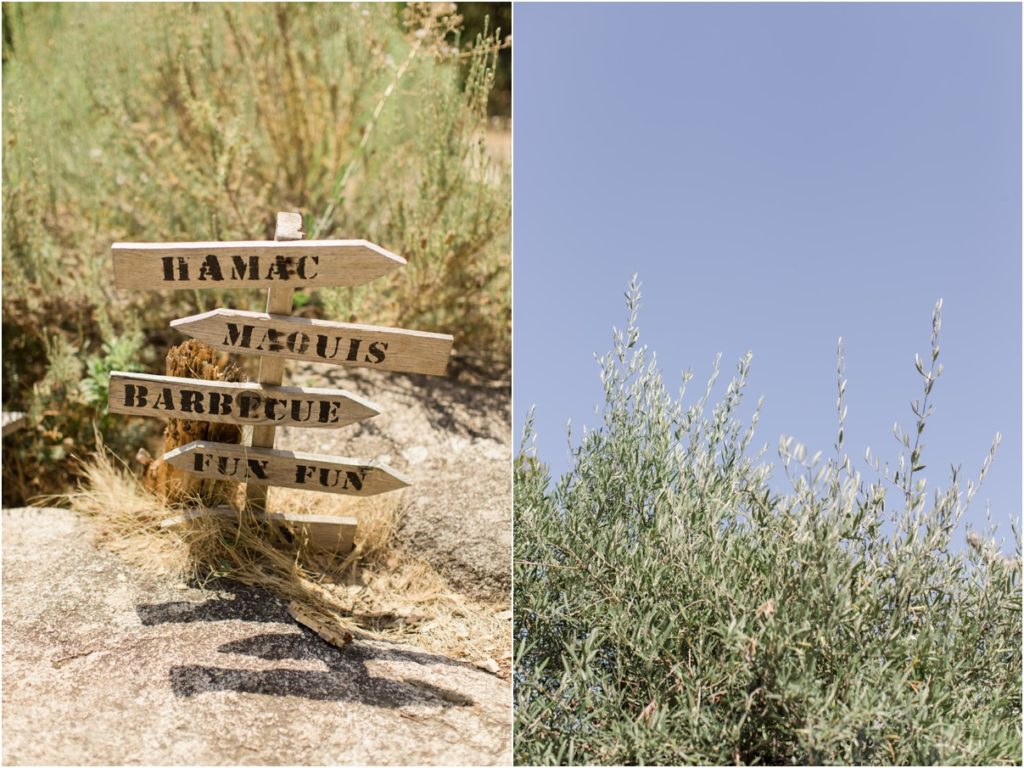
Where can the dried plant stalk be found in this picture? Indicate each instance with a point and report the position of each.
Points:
(195, 360)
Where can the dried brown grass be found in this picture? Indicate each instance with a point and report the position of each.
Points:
(378, 591)
(193, 359)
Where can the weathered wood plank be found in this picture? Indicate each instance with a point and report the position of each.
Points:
(329, 630)
(13, 421)
(250, 264)
(328, 532)
(286, 469)
(320, 341)
(227, 402)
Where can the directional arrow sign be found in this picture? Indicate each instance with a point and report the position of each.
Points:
(166, 397)
(286, 469)
(320, 341)
(250, 264)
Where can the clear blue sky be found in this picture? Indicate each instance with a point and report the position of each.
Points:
(779, 176)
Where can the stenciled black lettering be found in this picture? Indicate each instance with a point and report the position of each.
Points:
(329, 411)
(355, 479)
(257, 468)
(238, 336)
(239, 268)
(135, 395)
(325, 477)
(164, 400)
(353, 349)
(210, 269)
(298, 342)
(168, 262)
(322, 343)
(376, 350)
(248, 405)
(303, 274)
(282, 268)
(303, 473)
(191, 401)
(270, 409)
(223, 462)
(272, 338)
(220, 405)
(297, 410)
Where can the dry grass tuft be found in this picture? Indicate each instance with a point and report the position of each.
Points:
(377, 591)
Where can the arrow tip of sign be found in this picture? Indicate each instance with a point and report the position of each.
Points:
(394, 257)
(398, 479)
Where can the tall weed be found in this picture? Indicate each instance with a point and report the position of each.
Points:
(671, 608)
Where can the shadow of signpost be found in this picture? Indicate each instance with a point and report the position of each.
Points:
(244, 604)
(346, 677)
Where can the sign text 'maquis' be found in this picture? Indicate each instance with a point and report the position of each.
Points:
(320, 341)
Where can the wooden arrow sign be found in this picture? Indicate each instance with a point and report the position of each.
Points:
(286, 469)
(165, 397)
(250, 264)
(320, 341)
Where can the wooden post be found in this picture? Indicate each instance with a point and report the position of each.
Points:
(279, 302)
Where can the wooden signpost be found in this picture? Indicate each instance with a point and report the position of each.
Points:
(250, 264)
(281, 266)
(229, 402)
(287, 469)
(319, 341)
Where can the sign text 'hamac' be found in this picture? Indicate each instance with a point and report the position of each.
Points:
(250, 264)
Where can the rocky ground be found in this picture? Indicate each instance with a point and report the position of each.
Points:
(453, 440)
(103, 664)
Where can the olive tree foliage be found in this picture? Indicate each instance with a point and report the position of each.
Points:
(672, 608)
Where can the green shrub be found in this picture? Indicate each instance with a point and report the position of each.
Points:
(200, 121)
(670, 608)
